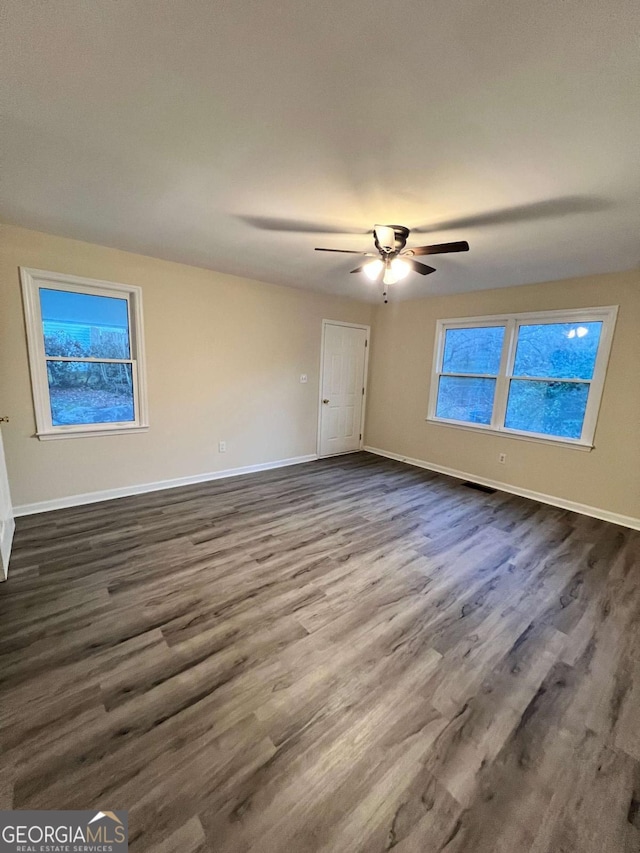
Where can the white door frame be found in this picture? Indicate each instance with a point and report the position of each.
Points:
(7, 525)
(367, 329)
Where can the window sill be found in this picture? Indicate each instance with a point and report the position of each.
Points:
(88, 433)
(536, 439)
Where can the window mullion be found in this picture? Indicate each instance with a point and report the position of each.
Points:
(502, 384)
(568, 381)
(552, 380)
(436, 369)
(469, 375)
(91, 360)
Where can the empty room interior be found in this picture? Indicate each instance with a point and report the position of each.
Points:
(320, 426)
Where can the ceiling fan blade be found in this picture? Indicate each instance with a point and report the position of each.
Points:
(440, 248)
(343, 251)
(547, 209)
(269, 223)
(416, 266)
(358, 269)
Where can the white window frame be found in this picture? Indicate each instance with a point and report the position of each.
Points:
(32, 281)
(511, 323)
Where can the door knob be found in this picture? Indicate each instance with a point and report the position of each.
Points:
(325, 402)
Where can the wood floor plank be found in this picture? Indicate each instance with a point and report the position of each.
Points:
(347, 655)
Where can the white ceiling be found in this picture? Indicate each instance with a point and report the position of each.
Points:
(176, 127)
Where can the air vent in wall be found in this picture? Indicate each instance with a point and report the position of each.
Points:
(479, 488)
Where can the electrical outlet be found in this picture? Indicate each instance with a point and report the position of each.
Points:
(303, 378)
(222, 447)
(502, 457)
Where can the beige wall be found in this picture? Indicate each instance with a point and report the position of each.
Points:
(607, 477)
(224, 358)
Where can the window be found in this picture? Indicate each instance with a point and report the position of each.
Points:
(530, 375)
(86, 355)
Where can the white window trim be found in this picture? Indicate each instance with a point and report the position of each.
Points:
(607, 315)
(32, 280)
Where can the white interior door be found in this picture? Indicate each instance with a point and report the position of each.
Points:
(7, 524)
(344, 350)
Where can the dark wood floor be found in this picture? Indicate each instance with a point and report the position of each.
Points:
(349, 655)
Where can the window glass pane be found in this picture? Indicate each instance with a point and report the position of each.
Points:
(562, 350)
(473, 350)
(90, 392)
(551, 408)
(77, 325)
(466, 399)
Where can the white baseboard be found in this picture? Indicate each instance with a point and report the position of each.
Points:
(127, 491)
(561, 503)
(142, 488)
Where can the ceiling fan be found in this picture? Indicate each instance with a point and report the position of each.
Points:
(395, 261)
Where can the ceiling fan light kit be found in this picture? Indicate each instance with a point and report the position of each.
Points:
(373, 269)
(396, 262)
(399, 268)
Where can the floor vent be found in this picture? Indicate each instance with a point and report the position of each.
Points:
(480, 488)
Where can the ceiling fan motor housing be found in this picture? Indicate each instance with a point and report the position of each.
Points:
(382, 235)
